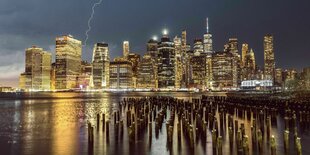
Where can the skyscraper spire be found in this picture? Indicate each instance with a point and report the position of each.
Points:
(207, 24)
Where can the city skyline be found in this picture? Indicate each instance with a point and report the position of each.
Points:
(43, 36)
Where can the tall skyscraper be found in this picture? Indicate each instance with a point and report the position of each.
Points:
(101, 64)
(178, 62)
(166, 64)
(269, 60)
(245, 50)
(198, 69)
(184, 39)
(37, 74)
(152, 49)
(208, 49)
(135, 60)
(126, 49)
(232, 47)
(207, 40)
(250, 66)
(146, 73)
(223, 70)
(68, 62)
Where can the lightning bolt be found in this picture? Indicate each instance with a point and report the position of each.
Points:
(89, 21)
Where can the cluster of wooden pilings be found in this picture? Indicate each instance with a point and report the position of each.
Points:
(194, 121)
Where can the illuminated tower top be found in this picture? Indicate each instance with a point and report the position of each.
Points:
(207, 25)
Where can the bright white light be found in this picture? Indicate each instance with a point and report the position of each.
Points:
(165, 32)
(155, 38)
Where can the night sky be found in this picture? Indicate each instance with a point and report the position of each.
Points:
(24, 23)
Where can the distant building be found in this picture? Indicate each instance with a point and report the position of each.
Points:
(126, 49)
(207, 40)
(223, 70)
(269, 59)
(232, 47)
(198, 65)
(257, 84)
(152, 49)
(278, 77)
(250, 66)
(6, 89)
(135, 60)
(244, 53)
(84, 79)
(146, 73)
(101, 66)
(208, 50)
(68, 62)
(198, 46)
(166, 63)
(121, 74)
(37, 71)
(305, 77)
(289, 74)
(178, 62)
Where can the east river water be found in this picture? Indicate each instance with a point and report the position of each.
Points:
(56, 123)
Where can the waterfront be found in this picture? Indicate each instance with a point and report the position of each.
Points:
(56, 123)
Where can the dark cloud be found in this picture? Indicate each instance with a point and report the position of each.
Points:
(27, 22)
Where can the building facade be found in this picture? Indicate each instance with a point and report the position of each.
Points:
(146, 73)
(37, 75)
(223, 70)
(101, 65)
(68, 62)
(126, 49)
(269, 60)
(121, 74)
(166, 63)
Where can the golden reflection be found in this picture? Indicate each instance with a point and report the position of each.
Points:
(65, 133)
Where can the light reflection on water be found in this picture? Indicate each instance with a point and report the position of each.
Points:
(56, 123)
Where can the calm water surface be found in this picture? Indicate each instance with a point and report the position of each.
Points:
(56, 123)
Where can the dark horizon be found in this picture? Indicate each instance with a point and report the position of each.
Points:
(39, 22)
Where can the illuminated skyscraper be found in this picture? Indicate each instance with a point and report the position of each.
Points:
(223, 70)
(184, 39)
(101, 64)
(178, 62)
(232, 47)
(135, 60)
(198, 46)
(198, 69)
(126, 49)
(269, 60)
(250, 66)
(37, 74)
(121, 74)
(245, 51)
(146, 73)
(208, 49)
(152, 49)
(207, 40)
(68, 62)
(84, 79)
(166, 63)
